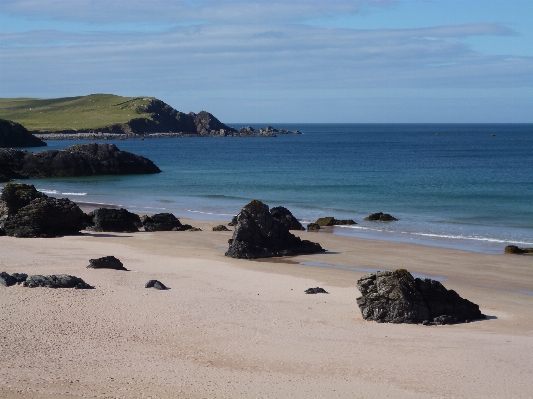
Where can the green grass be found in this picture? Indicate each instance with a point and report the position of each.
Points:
(81, 113)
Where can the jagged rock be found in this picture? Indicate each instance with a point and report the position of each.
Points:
(259, 235)
(316, 290)
(113, 220)
(56, 281)
(285, 216)
(313, 227)
(331, 221)
(397, 297)
(380, 216)
(13, 134)
(158, 285)
(162, 222)
(45, 217)
(106, 262)
(77, 160)
(7, 280)
(15, 196)
(513, 249)
(220, 227)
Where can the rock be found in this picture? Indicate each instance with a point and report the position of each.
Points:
(313, 227)
(77, 160)
(259, 235)
(316, 290)
(220, 227)
(7, 280)
(106, 262)
(15, 196)
(513, 249)
(331, 221)
(13, 134)
(158, 285)
(380, 216)
(45, 217)
(113, 220)
(285, 216)
(162, 222)
(193, 228)
(56, 281)
(397, 297)
(19, 277)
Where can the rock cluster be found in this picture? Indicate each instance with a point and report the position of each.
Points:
(106, 262)
(513, 249)
(331, 221)
(25, 212)
(398, 297)
(381, 217)
(13, 134)
(50, 281)
(8, 280)
(77, 160)
(258, 234)
(163, 222)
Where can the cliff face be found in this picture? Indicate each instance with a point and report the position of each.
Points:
(13, 134)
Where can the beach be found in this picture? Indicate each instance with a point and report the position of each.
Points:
(231, 328)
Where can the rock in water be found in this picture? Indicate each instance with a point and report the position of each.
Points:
(331, 221)
(162, 222)
(285, 216)
(513, 249)
(56, 281)
(113, 220)
(258, 234)
(13, 134)
(381, 217)
(397, 297)
(106, 262)
(158, 285)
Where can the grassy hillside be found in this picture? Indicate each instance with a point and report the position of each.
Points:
(74, 113)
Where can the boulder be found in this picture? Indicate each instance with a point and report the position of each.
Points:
(162, 222)
(13, 134)
(259, 235)
(220, 227)
(313, 227)
(513, 249)
(113, 220)
(331, 221)
(7, 280)
(316, 290)
(45, 217)
(106, 262)
(381, 217)
(15, 196)
(398, 297)
(56, 281)
(285, 216)
(158, 285)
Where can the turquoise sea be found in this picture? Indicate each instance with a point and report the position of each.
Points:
(466, 186)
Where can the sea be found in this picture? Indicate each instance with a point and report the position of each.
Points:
(462, 186)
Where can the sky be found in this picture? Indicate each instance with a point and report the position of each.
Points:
(293, 61)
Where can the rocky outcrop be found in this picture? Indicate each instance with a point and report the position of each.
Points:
(13, 134)
(398, 297)
(15, 196)
(313, 227)
(220, 227)
(258, 234)
(163, 222)
(381, 217)
(112, 220)
(158, 285)
(77, 160)
(285, 216)
(513, 249)
(106, 262)
(331, 221)
(268, 131)
(56, 281)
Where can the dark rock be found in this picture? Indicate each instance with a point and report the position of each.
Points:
(77, 160)
(513, 249)
(162, 222)
(381, 217)
(220, 227)
(7, 280)
(19, 277)
(158, 285)
(313, 227)
(331, 221)
(13, 134)
(106, 262)
(113, 220)
(233, 221)
(285, 216)
(45, 217)
(56, 281)
(190, 228)
(259, 235)
(397, 297)
(316, 290)
(15, 196)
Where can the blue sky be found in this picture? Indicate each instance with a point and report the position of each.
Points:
(280, 61)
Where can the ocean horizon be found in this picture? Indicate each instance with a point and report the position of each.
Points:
(463, 186)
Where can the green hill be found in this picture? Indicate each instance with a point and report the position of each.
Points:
(105, 113)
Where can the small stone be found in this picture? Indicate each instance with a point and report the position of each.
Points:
(316, 290)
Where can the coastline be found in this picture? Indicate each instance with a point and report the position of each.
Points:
(232, 328)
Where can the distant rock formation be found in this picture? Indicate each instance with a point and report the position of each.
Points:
(258, 234)
(106, 262)
(77, 160)
(331, 221)
(285, 216)
(398, 297)
(381, 217)
(112, 220)
(513, 249)
(13, 134)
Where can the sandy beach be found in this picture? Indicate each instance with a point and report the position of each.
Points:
(231, 328)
